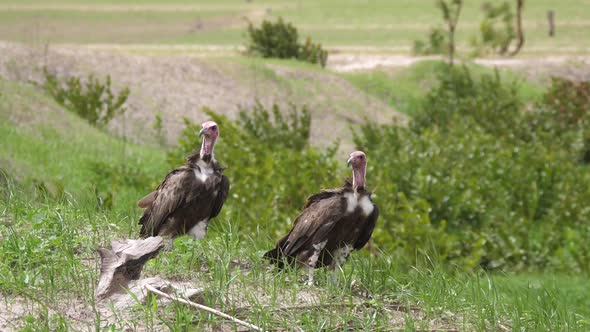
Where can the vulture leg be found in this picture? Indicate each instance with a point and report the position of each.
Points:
(336, 268)
(199, 230)
(313, 260)
(340, 257)
(310, 272)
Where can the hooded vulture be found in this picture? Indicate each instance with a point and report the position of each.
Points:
(333, 223)
(190, 196)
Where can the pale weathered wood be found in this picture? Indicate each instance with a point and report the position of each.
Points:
(137, 293)
(123, 263)
(202, 307)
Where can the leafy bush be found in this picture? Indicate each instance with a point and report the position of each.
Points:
(111, 180)
(271, 167)
(493, 39)
(563, 116)
(474, 181)
(312, 52)
(91, 100)
(281, 40)
(491, 103)
(292, 131)
(436, 43)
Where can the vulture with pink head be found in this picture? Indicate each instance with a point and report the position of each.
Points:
(333, 223)
(190, 196)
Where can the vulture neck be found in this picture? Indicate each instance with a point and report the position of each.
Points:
(207, 147)
(358, 178)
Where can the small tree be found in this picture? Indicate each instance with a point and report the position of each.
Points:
(498, 31)
(441, 41)
(91, 100)
(451, 11)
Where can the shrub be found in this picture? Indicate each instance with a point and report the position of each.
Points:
(313, 53)
(478, 184)
(563, 116)
(281, 40)
(271, 167)
(436, 43)
(92, 100)
(492, 104)
(493, 39)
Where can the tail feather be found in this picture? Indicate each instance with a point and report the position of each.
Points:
(275, 256)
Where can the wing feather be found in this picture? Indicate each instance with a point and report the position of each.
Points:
(367, 231)
(313, 224)
(177, 189)
(222, 193)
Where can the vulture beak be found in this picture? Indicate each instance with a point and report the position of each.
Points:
(201, 132)
(348, 162)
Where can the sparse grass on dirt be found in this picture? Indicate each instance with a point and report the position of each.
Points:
(48, 262)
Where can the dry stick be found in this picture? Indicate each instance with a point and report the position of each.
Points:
(202, 307)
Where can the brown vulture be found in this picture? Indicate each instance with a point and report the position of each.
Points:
(189, 196)
(333, 223)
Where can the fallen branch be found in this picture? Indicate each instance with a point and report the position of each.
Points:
(202, 307)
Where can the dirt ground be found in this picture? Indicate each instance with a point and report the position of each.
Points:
(178, 86)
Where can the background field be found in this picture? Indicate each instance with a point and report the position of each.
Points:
(389, 26)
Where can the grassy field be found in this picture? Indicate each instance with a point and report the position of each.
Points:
(387, 25)
(51, 225)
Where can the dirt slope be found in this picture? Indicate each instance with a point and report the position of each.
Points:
(179, 86)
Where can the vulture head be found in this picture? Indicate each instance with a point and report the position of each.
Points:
(358, 160)
(210, 132)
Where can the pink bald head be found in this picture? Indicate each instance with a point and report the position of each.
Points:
(358, 160)
(210, 132)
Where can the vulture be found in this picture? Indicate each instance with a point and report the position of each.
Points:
(333, 223)
(189, 196)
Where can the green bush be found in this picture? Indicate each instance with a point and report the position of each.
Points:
(312, 52)
(492, 104)
(271, 167)
(436, 43)
(493, 39)
(91, 100)
(280, 39)
(479, 182)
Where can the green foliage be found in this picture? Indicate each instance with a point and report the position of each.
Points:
(158, 126)
(436, 43)
(483, 180)
(280, 39)
(271, 167)
(109, 179)
(493, 39)
(491, 103)
(291, 131)
(442, 41)
(313, 53)
(91, 99)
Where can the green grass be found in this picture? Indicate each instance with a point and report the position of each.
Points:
(383, 23)
(48, 260)
(403, 89)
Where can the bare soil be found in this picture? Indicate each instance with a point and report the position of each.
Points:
(178, 86)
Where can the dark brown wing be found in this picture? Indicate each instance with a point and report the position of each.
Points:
(223, 191)
(367, 231)
(147, 201)
(178, 188)
(327, 193)
(313, 225)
